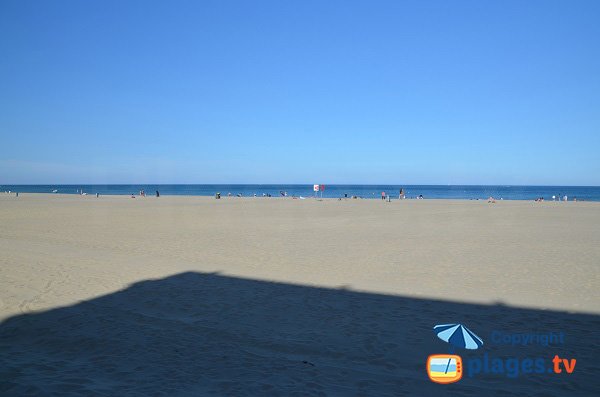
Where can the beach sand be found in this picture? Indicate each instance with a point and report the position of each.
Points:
(276, 296)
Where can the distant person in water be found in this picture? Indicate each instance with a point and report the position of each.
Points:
(402, 195)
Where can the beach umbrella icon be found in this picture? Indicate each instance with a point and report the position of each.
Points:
(458, 335)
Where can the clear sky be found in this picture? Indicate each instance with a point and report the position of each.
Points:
(407, 92)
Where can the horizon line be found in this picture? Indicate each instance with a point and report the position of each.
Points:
(291, 184)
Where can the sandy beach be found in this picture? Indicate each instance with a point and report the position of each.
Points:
(254, 296)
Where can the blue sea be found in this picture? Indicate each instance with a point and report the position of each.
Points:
(469, 192)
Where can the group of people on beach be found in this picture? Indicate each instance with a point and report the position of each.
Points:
(401, 195)
(386, 197)
(556, 198)
(142, 194)
(282, 193)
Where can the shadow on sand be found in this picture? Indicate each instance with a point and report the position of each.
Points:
(208, 334)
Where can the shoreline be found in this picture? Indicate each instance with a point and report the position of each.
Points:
(312, 198)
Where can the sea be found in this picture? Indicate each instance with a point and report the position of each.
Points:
(465, 192)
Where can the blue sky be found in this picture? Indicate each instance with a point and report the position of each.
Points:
(407, 92)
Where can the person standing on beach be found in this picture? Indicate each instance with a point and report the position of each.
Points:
(383, 195)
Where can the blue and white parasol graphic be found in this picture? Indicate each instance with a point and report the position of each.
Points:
(458, 335)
